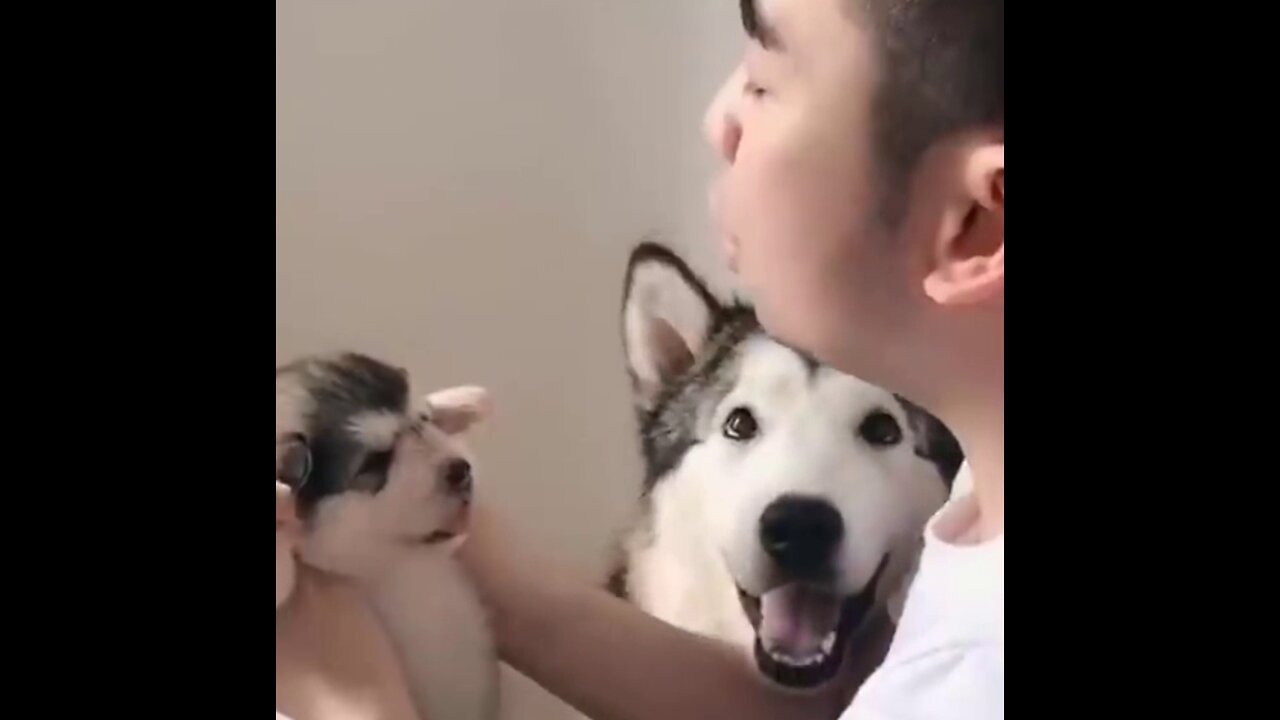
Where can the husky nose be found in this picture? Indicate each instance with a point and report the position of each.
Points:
(801, 534)
(457, 478)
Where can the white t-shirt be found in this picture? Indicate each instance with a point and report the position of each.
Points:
(947, 657)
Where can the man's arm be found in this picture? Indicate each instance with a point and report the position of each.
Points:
(609, 659)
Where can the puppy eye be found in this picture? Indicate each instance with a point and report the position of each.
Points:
(376, 463)
(880, 429)
(293, 461)
(741, 425)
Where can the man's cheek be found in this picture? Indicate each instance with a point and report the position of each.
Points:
(756, 205)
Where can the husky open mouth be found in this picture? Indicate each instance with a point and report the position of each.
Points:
(802, 629)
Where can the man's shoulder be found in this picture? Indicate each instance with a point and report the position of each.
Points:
(951, 683)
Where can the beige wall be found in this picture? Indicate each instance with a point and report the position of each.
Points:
(457, 185)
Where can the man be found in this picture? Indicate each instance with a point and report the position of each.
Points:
(863, 209)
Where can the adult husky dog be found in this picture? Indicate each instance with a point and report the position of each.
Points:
(783, 502)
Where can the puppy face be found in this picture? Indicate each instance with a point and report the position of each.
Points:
(372, 470)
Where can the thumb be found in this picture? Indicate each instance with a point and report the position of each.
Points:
(286, 568)
(287, 536)
(286, 508)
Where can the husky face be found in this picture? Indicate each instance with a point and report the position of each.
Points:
(785, 500)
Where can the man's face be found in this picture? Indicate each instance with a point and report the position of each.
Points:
(797, 202)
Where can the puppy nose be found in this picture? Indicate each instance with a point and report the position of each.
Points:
(457, 478)
(801, 534)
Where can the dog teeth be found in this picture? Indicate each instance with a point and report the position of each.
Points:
(814, 659)
(829, 643)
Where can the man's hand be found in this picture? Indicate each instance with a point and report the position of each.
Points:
(288, 534)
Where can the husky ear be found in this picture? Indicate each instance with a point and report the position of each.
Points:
(667, 317)
(457, 409)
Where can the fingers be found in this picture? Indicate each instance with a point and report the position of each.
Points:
(286, 568)
(286, 510)
(288, 533)
(456, 410)
(288, 525)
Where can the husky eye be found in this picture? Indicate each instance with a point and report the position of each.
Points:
(741, 425)
(880, 429)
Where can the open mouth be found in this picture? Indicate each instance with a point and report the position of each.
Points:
(802, 629)
(455, 527)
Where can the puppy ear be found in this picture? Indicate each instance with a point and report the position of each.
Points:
(667, 316)
(293, 460)
(458, 409)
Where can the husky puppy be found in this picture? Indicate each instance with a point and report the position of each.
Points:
(383, 486)
(783, 502)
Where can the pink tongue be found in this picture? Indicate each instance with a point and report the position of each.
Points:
(795, 618)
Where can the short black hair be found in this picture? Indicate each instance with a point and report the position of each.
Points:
(942, 72)
(756, 30)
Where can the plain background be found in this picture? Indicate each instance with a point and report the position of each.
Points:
(458, 183)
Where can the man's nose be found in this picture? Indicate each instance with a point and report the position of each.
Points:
(721, 125)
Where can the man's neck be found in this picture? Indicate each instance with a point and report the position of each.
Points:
(986, 461)
(981, 435)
